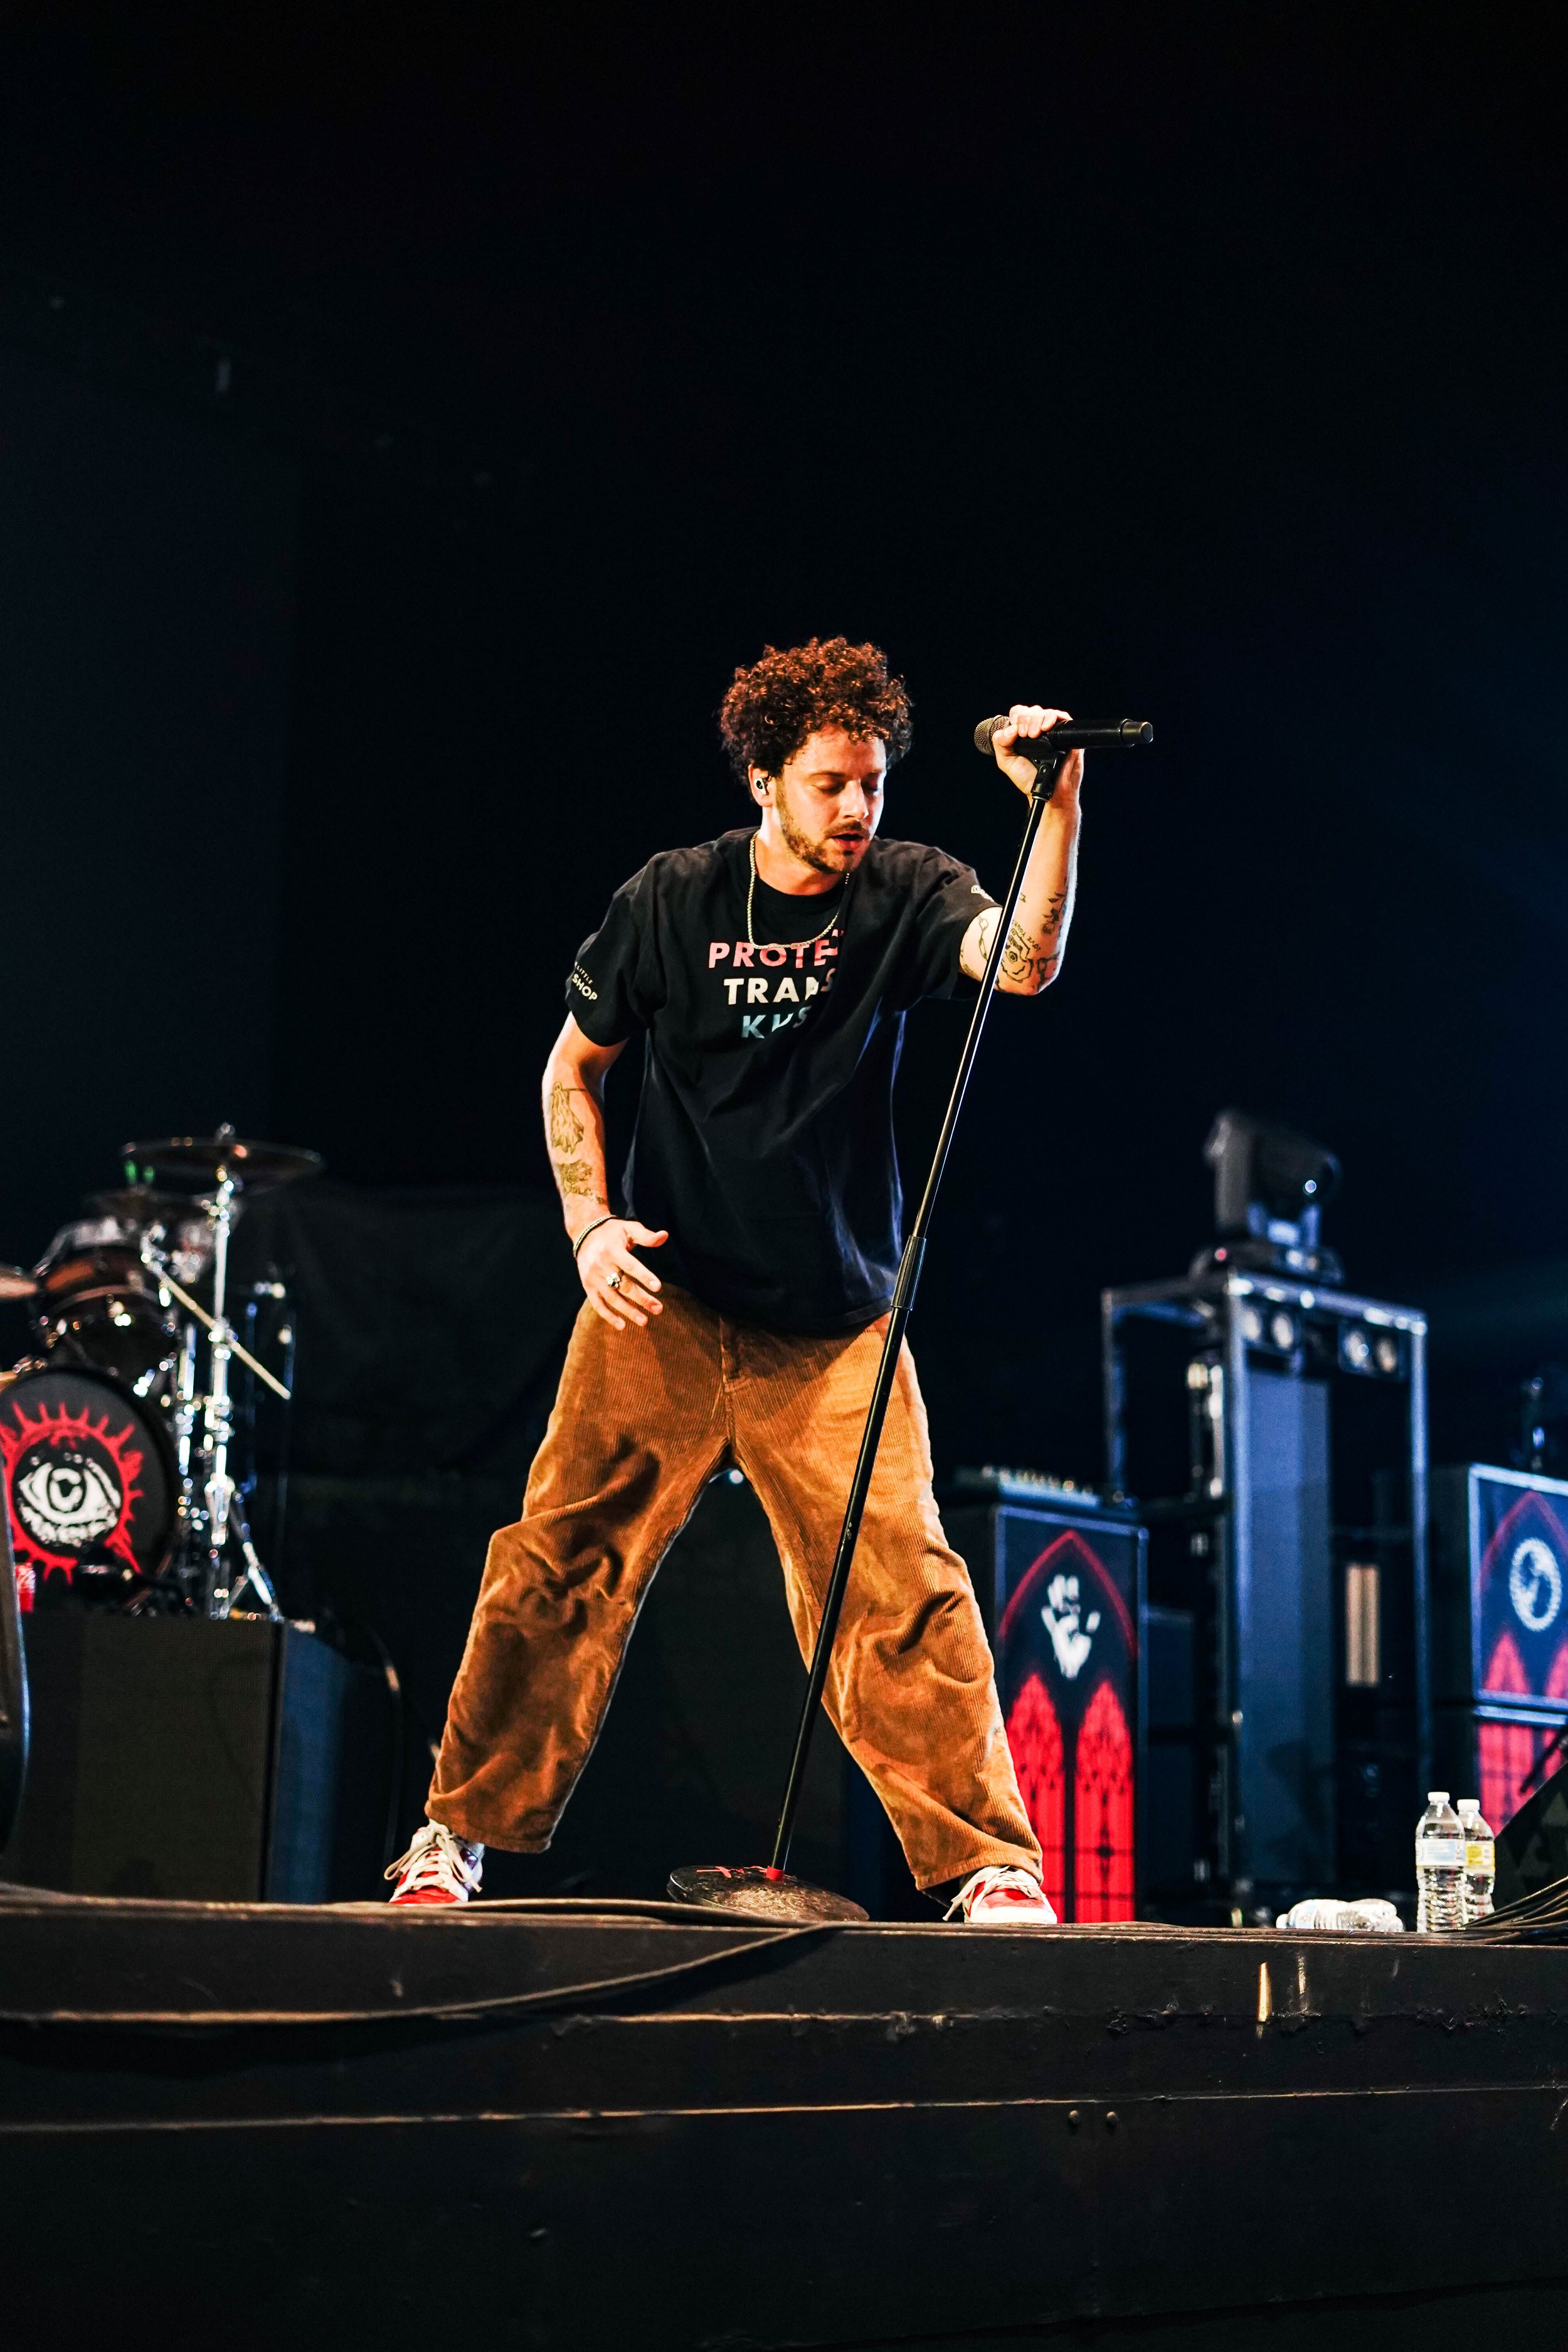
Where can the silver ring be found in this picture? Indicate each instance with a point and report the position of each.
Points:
(613, 1281)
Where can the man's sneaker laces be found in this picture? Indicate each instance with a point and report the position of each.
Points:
(439, 1867)
(1002, 1897)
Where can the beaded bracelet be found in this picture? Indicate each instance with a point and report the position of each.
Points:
(608, 1219)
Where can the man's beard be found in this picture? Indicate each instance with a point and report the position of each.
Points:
(818, 854)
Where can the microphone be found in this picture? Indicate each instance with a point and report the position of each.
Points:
(1119, 735)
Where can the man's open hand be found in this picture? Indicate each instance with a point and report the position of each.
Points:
(618, 1288)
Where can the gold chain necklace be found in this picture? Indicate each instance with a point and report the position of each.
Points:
(751, 892)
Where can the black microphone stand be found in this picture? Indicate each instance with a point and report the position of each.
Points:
(772, 1890)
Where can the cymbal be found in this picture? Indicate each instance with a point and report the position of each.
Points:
(16, 1281)
(220, 1158)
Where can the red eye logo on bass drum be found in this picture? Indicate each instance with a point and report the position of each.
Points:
(71, 1485)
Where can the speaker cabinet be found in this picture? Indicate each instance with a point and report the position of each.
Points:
(216, 1762)
(1065, 1588)
(1500, 1584)
(1500, 1633)
(1276, 1435)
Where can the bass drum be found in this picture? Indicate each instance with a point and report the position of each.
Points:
(89, 1482)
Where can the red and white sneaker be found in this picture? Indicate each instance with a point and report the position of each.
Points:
(1002, 1897)
(437, 1868)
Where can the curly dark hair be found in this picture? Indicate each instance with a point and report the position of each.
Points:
(779, 701)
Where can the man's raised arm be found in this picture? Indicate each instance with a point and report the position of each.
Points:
(1038, 938)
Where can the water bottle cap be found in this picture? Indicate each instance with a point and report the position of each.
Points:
(1437, 1796)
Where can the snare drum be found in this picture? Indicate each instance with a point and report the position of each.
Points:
(97, 1304)
(89, 1482)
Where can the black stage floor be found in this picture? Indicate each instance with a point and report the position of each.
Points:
(639, 2126)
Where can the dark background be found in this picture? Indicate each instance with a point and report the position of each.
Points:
(406, 427)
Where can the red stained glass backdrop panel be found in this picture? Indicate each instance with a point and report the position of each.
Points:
(1035, 1737)
(1509, 1753)
(1102, 1811)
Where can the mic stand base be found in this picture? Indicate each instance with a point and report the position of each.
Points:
(761, 1894)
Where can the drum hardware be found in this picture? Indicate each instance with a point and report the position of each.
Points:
(268, 1307)
(185, 1405)
(208, 1528)
(215, 1539)
(93, 1305)
(167, 1282)
(118, 1466)
(169, 1214)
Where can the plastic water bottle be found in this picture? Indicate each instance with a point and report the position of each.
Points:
(1439, 1867)
(1480, 1861)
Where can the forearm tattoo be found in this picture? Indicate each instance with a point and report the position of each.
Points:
(576, 1178)
(565, 1127)
(1018, 954)
(1031, 957)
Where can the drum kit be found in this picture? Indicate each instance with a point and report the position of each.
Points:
(118, 1441)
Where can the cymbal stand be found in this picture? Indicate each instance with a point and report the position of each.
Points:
(184, 1411)
(215, 1527)
(225, 1523)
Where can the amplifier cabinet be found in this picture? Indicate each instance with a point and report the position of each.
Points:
(1276, 1435)
(220, 1762)
(1062, 1588)
(1499, 1569)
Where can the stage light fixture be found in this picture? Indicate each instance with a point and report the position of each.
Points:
(1282, 1331)
(1387, 1350)
(1355, 1347)
(1270, 1185)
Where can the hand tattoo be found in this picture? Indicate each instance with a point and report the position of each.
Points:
(565, 1128)
(575, 1176)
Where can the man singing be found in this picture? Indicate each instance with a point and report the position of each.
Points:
(767, 973)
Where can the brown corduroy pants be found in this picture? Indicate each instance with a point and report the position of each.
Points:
(642, 1421)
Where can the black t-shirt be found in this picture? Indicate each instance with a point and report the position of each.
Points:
(764, 1133)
